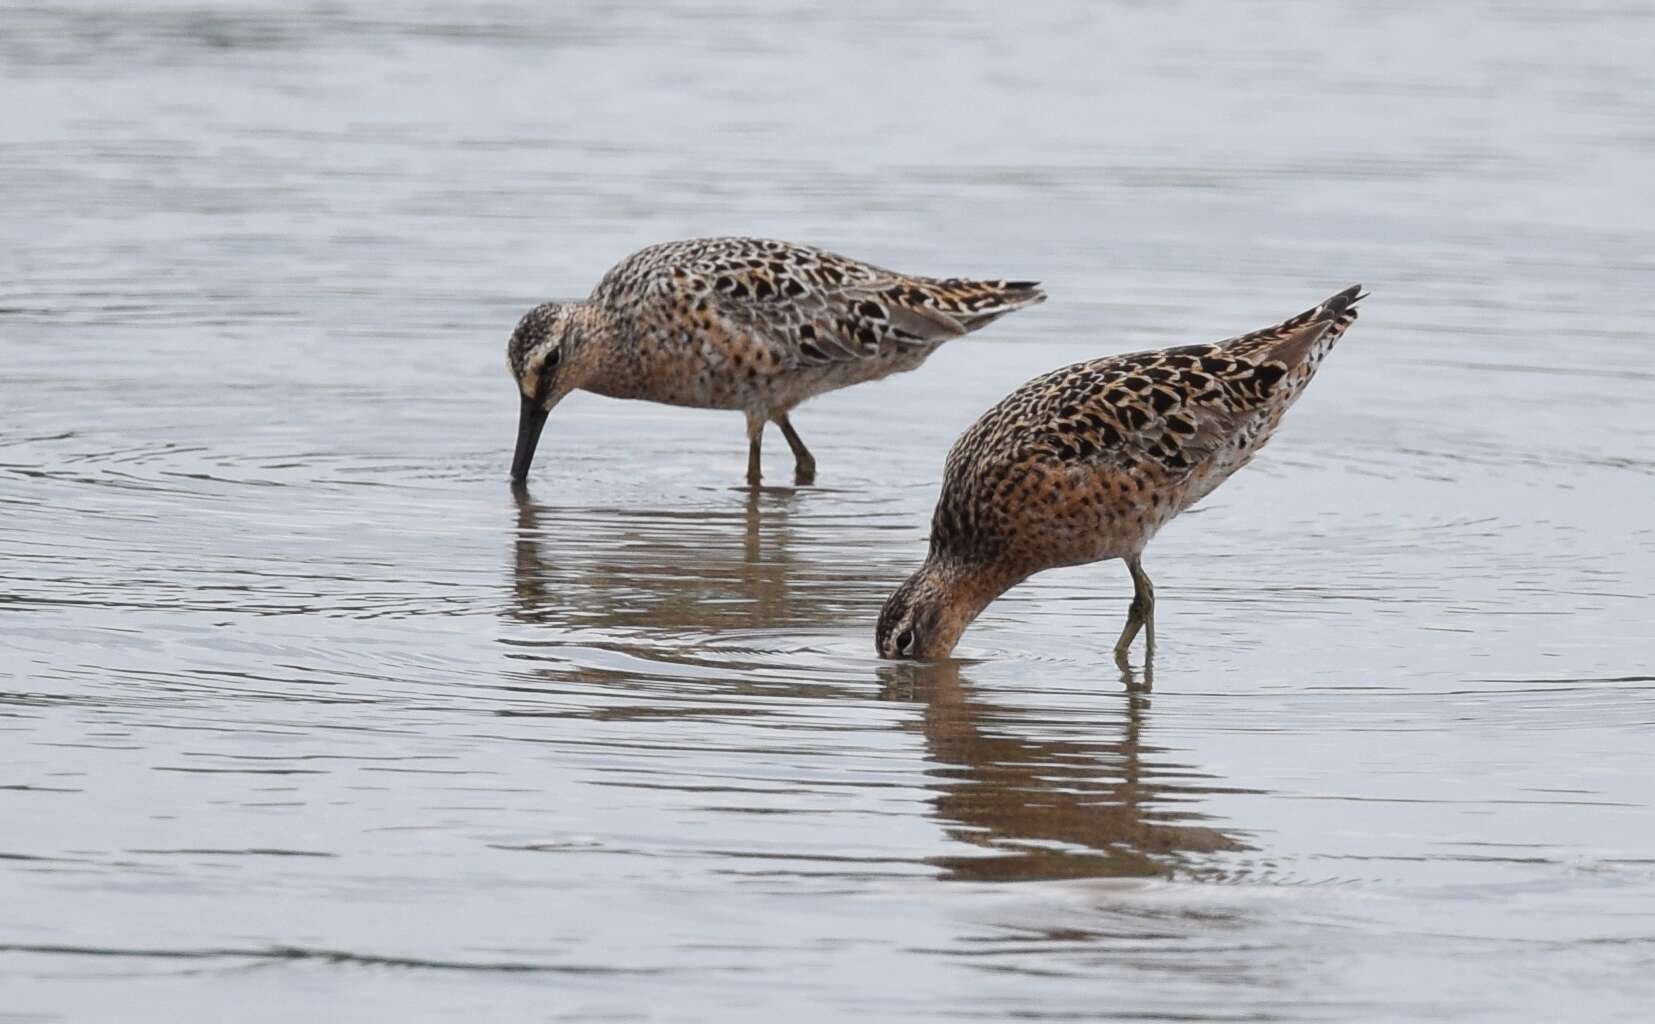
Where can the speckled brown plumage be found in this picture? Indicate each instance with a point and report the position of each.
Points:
(746, 324)
(1086, 463)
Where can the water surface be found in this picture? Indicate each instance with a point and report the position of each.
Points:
(305, 711)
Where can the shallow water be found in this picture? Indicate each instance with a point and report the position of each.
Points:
(304, 711)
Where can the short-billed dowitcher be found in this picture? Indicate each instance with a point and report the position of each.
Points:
(741, 323)
(1086, 463)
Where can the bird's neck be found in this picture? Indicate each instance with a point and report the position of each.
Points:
(607, 365)
(965, 589)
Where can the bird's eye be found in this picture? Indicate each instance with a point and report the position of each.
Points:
(553, 357)
(905, 641)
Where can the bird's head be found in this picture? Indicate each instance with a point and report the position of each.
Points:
(924, 617)
(544, 356)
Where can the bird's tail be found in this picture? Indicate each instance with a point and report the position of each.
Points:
(983, 302)
(1335, 307)
(949, 307)
(1342, 306)
(1316, 328)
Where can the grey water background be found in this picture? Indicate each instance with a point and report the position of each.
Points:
(302, 712)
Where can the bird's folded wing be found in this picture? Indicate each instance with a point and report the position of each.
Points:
(806, 307)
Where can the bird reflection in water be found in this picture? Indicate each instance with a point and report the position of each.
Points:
(1053, 807)
(687, 588)
(692, 571)
(648, 606)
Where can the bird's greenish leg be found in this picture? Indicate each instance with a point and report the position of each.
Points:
(1141, 615)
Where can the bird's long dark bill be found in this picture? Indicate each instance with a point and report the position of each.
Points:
(530, 419)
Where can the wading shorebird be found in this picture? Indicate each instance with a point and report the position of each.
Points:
(1086, 463)
(741, 323)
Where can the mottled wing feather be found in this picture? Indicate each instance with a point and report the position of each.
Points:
(1129, 439)
(805, 306)
(1176, 408)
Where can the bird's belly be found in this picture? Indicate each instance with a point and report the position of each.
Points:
(1206, 475)
(739, 377)
(1073, 518)
(687, 395)
(785, 390)
(1206, 479)
(684, 379)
